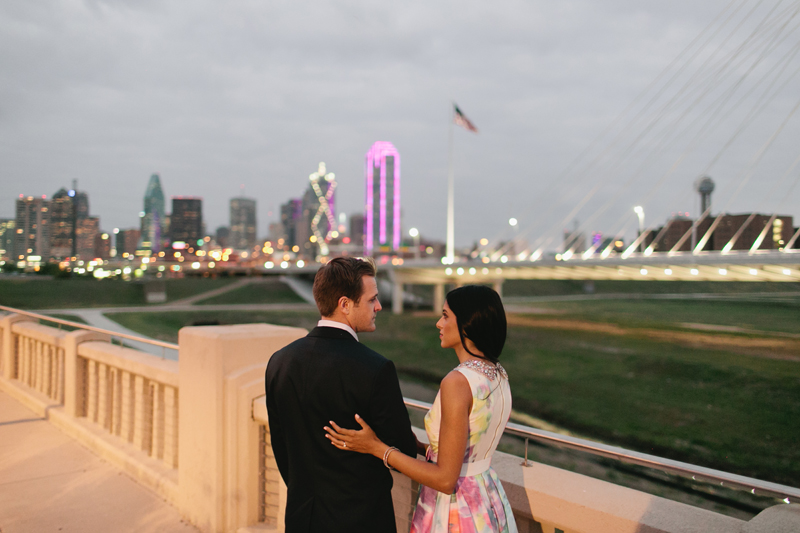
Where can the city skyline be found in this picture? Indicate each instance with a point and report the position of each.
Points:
(135, 91)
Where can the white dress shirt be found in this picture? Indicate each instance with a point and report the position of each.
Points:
(340, 325)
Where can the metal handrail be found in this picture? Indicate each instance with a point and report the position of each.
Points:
(78, 325)
(697, 473)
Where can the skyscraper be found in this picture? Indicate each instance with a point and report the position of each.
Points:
(85, 234)
(62, 224)
(8, 234)
(153, 220)
(32, 226)
(243, 223)
(382, 204)
(291, 214)
(186, 220)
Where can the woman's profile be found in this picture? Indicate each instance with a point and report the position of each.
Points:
(460, 491)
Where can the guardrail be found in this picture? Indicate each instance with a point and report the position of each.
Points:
(78, 325)
(699, 473)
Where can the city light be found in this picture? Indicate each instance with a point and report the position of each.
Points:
(413, 232)
(484, 241)
(512, 222)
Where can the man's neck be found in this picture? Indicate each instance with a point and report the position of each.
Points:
(335, 322)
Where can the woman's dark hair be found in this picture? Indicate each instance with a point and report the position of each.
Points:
(481, 318)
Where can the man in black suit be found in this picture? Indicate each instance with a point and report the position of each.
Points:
(328, 375)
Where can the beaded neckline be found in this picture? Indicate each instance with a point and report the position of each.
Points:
(487, 369)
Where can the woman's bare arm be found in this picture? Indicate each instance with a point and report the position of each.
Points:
(456, 403)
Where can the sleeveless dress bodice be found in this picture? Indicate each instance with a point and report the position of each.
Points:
(479, 502)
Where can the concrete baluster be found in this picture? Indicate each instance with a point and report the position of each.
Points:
(141, 406)
(126, 407)
(91, 391)
(170, 455)
(158, 421)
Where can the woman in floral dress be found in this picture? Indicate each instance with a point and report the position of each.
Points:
(461, 491)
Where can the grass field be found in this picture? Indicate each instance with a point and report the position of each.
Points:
(703, 405)
(271, 291)
(767, 316)
(553, 287)
(33, 293)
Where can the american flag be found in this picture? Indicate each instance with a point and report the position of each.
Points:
(460, 120)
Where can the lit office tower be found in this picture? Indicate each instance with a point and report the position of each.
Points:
(382, 205)
(243, 223)
(8, 233)
(186, 220)
(153, 219)
(291, 213)
(32, 225)
(62, 224)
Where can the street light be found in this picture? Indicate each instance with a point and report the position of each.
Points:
(414, 233)
(640, 213)
(513, 223)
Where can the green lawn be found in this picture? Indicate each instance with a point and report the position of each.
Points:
(269, 291)
(553, 287)
(33, 293)
(766, 316)
(733, 412)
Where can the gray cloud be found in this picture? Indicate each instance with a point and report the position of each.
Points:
(217, 96)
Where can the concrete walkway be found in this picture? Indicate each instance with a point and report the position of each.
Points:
(49, 482)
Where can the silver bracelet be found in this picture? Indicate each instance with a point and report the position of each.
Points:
(388, 451)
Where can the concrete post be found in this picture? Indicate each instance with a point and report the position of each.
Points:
(221, 371)
(438, 297)
(498, 286)
(74, 377)
(397, 296)
(776, 519)
(9, 350)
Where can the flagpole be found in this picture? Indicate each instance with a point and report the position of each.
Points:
(451, 197)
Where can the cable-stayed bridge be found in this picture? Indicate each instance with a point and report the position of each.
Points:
(725, 106)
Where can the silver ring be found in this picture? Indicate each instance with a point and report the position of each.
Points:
(344, 445)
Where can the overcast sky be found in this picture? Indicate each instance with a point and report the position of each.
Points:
(220, 97)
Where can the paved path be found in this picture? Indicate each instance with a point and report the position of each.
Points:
(49, 482)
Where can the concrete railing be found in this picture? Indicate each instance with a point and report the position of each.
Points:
(132, 395)
(196, 432)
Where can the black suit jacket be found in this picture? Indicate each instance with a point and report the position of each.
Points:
(328, 375)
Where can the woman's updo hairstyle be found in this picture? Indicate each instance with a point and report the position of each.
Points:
(481, 318)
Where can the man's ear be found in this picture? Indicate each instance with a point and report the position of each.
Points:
(345, 304)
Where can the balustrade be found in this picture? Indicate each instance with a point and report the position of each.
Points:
(130, 407)
(132, 395)
(38, 361)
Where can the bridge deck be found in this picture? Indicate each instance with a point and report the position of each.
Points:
(49, 482)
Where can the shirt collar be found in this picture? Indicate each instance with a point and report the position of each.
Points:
(339, 325)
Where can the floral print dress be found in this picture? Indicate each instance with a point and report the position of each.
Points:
(479, 502)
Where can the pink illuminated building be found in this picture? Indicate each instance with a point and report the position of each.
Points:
(382, 205)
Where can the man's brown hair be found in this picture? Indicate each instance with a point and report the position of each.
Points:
(341, 277)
